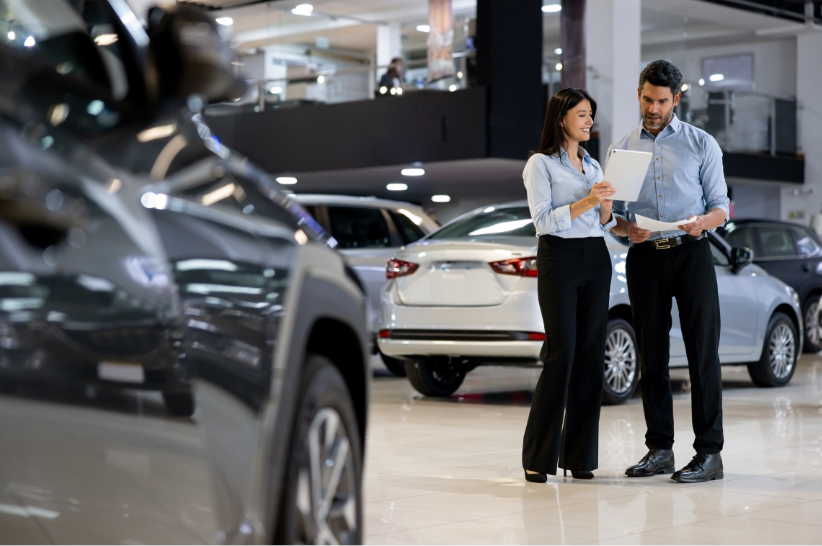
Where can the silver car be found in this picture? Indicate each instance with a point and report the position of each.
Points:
(466, 296)
(369, 231)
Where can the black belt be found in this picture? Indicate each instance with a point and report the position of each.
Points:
(662, 244)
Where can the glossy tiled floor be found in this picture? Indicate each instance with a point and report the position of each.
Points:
(449, 472)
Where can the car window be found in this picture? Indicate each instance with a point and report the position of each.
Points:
(805, 243)
(776, 242)
(356, 227)
(719, 256)
(409, 230)
(741, 236)
(508, 222)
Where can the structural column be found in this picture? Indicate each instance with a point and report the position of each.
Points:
(808, 84)
(612, 51)
(509, 63)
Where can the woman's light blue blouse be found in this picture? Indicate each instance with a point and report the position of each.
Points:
(553, 185)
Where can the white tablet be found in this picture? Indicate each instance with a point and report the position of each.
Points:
(626, 172)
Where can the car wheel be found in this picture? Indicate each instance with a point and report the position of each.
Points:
(813, 328)
(394, 365)
(322, 500)
(432, 377)
(621, 363)
(778, 362)
(178, 403)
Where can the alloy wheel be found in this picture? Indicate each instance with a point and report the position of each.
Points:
(812, 323)
(782, 347)
(620, 361)
(326, 485)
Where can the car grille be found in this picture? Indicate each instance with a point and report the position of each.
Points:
(125, 341)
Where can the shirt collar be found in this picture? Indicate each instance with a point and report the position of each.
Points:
(672, 127)
(581, 152)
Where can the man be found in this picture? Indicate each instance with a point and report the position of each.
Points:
(685, 180)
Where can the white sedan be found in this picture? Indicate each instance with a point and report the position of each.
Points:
(466, 295)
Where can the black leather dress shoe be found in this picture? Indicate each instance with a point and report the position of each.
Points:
(702, 468)
(656, 461)
(536, 478)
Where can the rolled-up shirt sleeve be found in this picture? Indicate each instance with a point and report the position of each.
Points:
(546, 218)
(712, 177)
(611, 223)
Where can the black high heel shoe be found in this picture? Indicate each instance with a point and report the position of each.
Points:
(536, 478)
(580, 474)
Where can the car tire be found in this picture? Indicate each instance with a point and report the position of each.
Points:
(394, 365)
(779, 355)
(433, 378)
(325, 431)
(179, 403)
(813, 328)
(621, 363)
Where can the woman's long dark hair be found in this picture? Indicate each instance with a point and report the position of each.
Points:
(553, 135)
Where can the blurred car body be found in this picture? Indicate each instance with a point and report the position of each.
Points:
(368, 232)
(139, 256)
(793, 254)
(466, 296)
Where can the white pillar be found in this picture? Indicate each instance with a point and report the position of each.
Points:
(389, 43)
(807, 198)
(612, 49)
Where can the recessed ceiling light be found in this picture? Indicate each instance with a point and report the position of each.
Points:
(29, 42)
(424, 28)
(11, 35)
(558, 67)
(412, 172)
(105, 39)
(685, 87)
(303, 9)
(321, 79)
(701, 81)
(452, 87)
(441, 198)
(227, 21)
(286, 180)
(551, 8)
(716, 77)
(558, 51)
(397, 186)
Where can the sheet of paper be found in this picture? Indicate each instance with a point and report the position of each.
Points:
(655, 225)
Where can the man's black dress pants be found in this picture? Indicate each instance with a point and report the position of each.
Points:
(685, 272)
(573, 287)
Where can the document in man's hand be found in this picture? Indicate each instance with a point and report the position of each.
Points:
(655, 225)
(626, 172)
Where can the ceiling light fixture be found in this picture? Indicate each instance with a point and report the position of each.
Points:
(701, 81)
(452, 87)
(424, 28)
(558, 67)
(441, 198)
(29, 42)
(286, 180)
(106, 39)
(558, 51)
(551, 8)
(412, 172)
(11, 35)
(685, 87)
(716, 77)
(320, 79)
(227, 21)
(398, 186)
(303, 9)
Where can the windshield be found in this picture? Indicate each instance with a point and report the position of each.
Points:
(491, 222)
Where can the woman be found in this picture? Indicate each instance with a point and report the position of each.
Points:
(571, 210)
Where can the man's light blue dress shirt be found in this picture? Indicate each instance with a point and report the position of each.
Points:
(553, 184)
(685, 177)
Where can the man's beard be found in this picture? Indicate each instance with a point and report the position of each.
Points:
(662, 123)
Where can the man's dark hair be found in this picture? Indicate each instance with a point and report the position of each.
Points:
(662, 74)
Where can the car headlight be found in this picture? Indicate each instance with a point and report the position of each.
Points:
(794, 295)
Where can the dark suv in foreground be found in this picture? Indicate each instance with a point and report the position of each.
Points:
(182, 356)
(793, 254)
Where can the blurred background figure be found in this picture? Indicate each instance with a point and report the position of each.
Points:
(391, 81)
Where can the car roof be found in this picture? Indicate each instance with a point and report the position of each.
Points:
(327, 199)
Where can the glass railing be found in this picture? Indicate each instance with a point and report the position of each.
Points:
(742, 121)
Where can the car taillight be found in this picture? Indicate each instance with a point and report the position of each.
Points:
(385, 334)
(536, 336)
(521, 267)
(398, 268)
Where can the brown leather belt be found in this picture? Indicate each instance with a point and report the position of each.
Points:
(662, 244)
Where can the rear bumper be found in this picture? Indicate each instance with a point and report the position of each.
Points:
(487, 349)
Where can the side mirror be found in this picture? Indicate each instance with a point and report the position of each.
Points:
(191, 55)
(740, 257)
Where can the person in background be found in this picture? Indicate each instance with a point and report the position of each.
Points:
(391, 81)
(571, 211)
(685, 181)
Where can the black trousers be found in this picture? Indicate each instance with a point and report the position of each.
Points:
(685, 272)
(573, 287)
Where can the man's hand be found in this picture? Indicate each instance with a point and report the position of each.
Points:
(694, 228)
(637, 234)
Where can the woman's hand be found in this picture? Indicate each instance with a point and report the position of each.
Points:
(599, 193)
